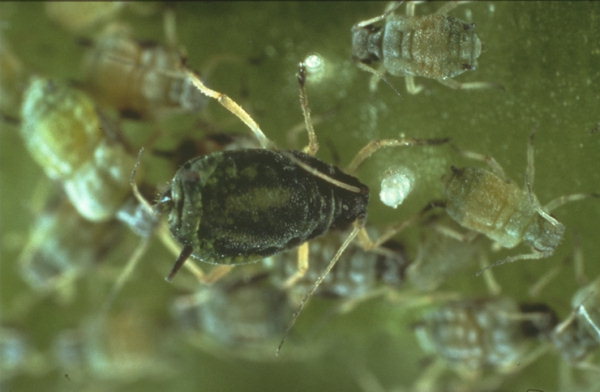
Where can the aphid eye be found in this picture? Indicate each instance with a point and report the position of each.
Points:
(469, 26)
(467, 67)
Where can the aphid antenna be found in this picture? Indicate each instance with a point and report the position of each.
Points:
(512, 259)
(378, 75)
(132, 181)
(358, 226)
(375, 145)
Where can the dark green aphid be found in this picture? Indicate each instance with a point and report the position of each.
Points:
(239, 206)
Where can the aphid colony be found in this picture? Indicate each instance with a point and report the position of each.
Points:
(279, 225)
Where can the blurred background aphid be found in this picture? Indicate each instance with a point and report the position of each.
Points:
(124, 346)
(61, 246)
(12, 79)
(435, 46)
(495, 334)
(79, 16)
(18, 356)
(78, 146)
(362, 274)
(578, 336)
(242, 316)
(138, 78)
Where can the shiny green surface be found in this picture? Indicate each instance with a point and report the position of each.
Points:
(546, 55)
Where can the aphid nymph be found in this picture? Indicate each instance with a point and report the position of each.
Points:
(435, 46)
(487, 202)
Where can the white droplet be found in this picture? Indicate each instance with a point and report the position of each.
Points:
(395, 186)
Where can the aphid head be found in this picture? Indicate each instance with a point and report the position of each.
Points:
(544, 234)
(183, 202)
(366, 44)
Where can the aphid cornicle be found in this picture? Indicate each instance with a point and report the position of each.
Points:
(435, 46)
(489, 203)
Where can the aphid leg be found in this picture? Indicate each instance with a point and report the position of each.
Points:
(560, 201)
(232, 106)
(410, 7)
(393, 6)
(216, 273)
(411, 87)
(491, 283)
(302, 266)
(358, 226)
(449, 6)
(126, 273)
(454, 84)
(511, 259)
(313, 143)
(377, 75)
(133, 183)
(487, 159)
(375, 145)
(535, 290)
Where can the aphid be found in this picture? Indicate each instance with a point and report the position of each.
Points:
(435, 46)
(579, 334)
(440, 256)
(474, 335)
(138, 78)
(487, 202)
(240, 206)
(363, 273)
(238, 315)
(119, 347)
(76, 144)
(76, 17)
(61, 246)
(12, 79)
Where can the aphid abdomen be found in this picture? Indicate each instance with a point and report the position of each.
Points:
(474, 334)
(60, 127)
(481, 201)
(433, 46)
(239, 206)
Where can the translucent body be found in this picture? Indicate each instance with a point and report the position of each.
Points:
(480, 200)
(242, 205)
(70, 140)
(138, 78)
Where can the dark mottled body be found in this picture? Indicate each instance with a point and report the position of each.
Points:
(579, 336)
(473, 335)
(361, 272)
(243, 205)
(432, 46)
